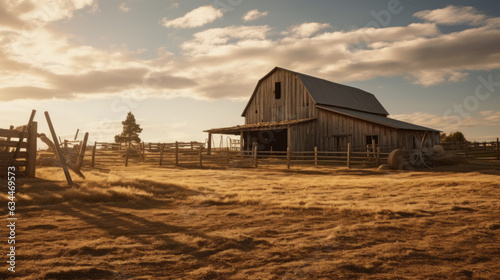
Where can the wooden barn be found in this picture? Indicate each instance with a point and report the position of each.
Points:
(290, 109)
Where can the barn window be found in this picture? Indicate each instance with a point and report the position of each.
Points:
(277, 90)
(370, 138)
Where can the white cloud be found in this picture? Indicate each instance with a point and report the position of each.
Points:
(453, 15)
(227, 62)
(306, 29)
(29, 14)
(253, 15)
(195, 18)
(123, 7)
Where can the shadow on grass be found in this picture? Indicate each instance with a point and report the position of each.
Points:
(138, 194)
(156, 235)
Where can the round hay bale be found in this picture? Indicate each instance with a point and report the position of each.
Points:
(438, 150)
(394, 159)
(398, 159)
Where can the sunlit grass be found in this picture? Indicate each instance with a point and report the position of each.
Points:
(266, 223)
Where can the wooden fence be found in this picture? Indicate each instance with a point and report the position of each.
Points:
(193, 154)
(18, 149)
(480, 150)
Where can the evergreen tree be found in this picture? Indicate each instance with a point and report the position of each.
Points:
(130, 131)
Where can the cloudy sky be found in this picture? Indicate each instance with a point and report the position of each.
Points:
(185, 66)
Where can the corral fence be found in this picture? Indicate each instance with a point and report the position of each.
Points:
(479, 150)
(18, 149)
(193, 154)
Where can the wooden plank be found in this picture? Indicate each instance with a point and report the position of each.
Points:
(126, 154)
(349, 155)
(12, 133)
(498, 149)
(58, 150)
(25, 128)
(201, 157)
(10, 163)
(315, 156)
(288, 158)
(10, 155)
(93, 154)
(81, 154)
(13, 144)
(255, 149)
(31, 150)
(209, 150)
(176, 153)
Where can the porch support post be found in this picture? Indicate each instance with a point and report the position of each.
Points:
(242, 143)
(209, 149)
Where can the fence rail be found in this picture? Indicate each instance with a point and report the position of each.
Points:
(193, 154)
(475, 149)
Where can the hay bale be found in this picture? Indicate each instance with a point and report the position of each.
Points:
(398, 159)
(438, 150)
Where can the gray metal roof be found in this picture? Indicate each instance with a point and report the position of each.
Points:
(329, 93)
(378, 119)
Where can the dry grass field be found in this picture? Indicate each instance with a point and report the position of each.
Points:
(265, 223)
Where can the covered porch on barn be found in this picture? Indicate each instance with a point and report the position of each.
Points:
(269, 136)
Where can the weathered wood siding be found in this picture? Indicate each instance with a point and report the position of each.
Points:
(295, 102)
(333, 128)
(302, 137)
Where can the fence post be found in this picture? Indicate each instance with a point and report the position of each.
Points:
(498, 150)
(373, 148)
(62, 160)
(255, 156)
(201, 156)
(378, 155)
(83, 149)
(466, 149)
(315, 156)
(288, 157)
(349, 155)
(93, 154)
(228, 156)
(161, 153)
(31, 160)
(143, 150)
(126, 154)
(176, 153)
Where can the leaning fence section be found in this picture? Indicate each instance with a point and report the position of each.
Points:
(18, 149)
